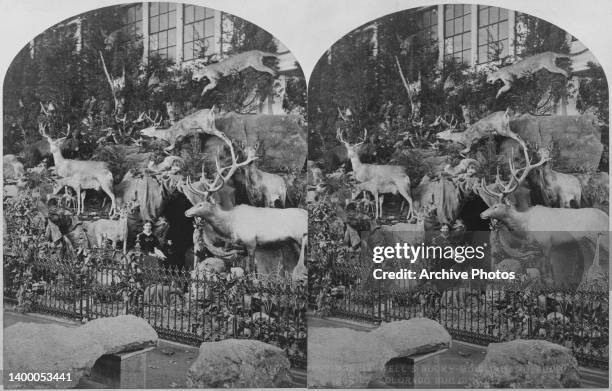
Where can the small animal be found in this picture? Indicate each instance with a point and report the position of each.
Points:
(527, 66)
(113, 230)
(233, 64)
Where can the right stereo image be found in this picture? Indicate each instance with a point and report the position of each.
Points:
(458, 199)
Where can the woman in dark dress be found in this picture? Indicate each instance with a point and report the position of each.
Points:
(149, 243)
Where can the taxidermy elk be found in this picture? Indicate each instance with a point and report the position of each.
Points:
(264, 186)
(561, 189)
(382, 178)
(547, 226)
(113, 230)
(249, 225)
(81, 168)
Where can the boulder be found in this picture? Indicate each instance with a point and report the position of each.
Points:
(236, 363)
(33, 347)
(527, 364)
(345, 358)
(413, 336)
(124, 333)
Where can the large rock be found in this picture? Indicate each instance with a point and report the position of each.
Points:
(235, 363)
(527, 364)
(414, 336)
(33, 347)
(283, 138)
(345, 358)
(124, 333)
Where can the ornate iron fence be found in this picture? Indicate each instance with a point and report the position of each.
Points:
(183, 306)
(477, 313)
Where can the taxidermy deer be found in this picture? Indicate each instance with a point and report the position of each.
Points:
(248, 225)
(233, 64)
(270, 187)
(561, 188)
(79, 183)
(527, 66)
(547, 226)
(113, 230)
(86, 172)
(381, 178)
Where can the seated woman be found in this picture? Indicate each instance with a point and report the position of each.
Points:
(149, 245)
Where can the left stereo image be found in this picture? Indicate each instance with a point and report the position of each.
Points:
(154, 220)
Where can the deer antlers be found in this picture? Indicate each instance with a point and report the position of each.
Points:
(220, 178)
(340, 138)
(514, 181)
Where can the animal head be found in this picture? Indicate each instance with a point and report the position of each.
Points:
(493, 77)
(200, 73)
(352, 150)
(497, 211)
(54, 145)
(208, 124)
(202, 208)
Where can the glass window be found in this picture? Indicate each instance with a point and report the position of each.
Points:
(427, 23)
(198, 32)
(132, 20)
(162, 29)
(492, 33)
(457, 40)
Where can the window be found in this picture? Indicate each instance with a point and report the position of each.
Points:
(132, 20)
(493, 39)
(198, 32)
(427, 24)
(457, 40)
(162, 30)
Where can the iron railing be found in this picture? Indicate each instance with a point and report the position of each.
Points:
(473, 312)
(182, 306)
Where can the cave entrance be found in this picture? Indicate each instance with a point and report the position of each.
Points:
(180, 231)
(470, 215)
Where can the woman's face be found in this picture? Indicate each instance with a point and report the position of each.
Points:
(147, 228)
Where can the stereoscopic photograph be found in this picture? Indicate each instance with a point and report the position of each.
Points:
(458, 197)
(154, 198)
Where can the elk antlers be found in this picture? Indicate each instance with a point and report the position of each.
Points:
(346, 143)
(220, 178)
(514, 181)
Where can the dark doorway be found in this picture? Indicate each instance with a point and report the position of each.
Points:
(180, 231)
(470, 214)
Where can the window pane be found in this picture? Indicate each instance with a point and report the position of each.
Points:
(163, 8)
(163, 39)
(503, 30)
(130, 15)
(467, 54)
(494, 14)
(433, 33)
(448, 12)
(209, 27)
(188, 33)
(458, 10)
(210, 12)
(458, 25)
(154, 24)
(448, 45)
(482, 54)
(172, 53)
(172, 19)
(449, 30)
(482, 35)
(199, 13)
(172, 37)
(163, 22)
(189, 12)
(467, 21)
(457, 43)
(154, 9)
(483, 17)
(493, 32)
(153, 42)
(198, 30)
(467, 40)
(138, 29)
(188, 51)
(503, 14)
(171, 6)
